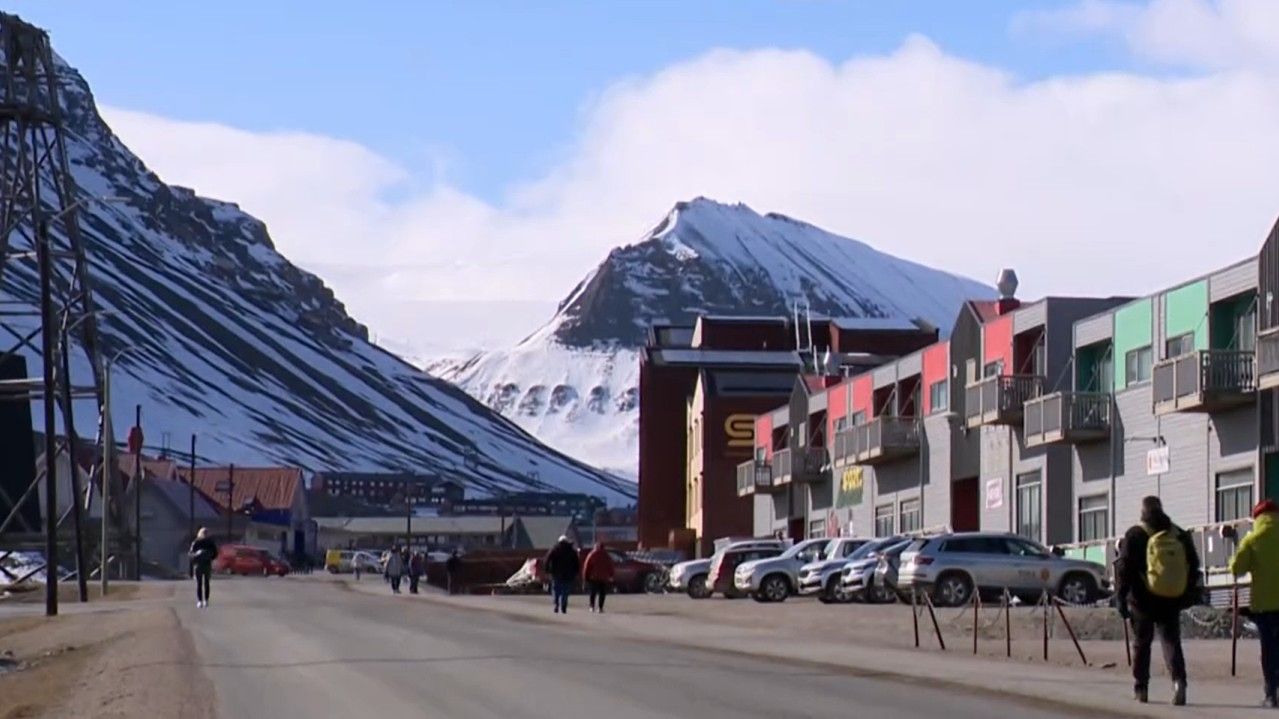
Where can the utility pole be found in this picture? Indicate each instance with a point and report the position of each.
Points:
(73, 454)
(408, 513)
(191, 492)
(108, 474)
(137, 491)
(47, 340)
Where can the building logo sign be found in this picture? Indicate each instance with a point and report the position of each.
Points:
(995, 493)
(1157, 461)
(851, 485)
(740, 430)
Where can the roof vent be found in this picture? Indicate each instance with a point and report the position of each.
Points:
(1007, 284)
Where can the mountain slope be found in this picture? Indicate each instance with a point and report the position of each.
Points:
(573, 382)
(227, 339)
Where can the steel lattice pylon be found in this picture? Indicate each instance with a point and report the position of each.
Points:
(46, 303)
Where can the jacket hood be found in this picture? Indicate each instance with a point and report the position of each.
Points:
(1264, 521)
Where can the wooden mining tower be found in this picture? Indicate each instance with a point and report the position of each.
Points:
(46, 315)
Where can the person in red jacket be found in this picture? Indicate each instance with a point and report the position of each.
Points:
(598, 572)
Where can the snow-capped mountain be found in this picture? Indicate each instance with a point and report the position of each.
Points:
(573, 383)
(229, 340)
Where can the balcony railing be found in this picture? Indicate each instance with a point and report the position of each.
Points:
(754, 476)
(799, 465)
(1268, 359)
(1204, 381)
(885, 439)
(1067, 418)
(999, 399)
(844, 448)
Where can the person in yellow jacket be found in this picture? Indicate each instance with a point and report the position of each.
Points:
(1258, 555)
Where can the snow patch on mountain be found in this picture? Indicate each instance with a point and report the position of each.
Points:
(704, 257)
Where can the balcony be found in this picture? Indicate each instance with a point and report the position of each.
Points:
(803, 465)
(1204, 381)
(1268, 359)
(1000, 399)
(886, 439)
(1067, 418)
(844, 449)
(754, 476)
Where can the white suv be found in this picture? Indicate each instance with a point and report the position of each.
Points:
(776, 578)
(821, 576)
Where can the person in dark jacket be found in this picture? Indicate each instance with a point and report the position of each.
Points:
(451, 567)
(1148, 610)
(417, 566)
(598, 571)
(562, 565)
(202, 553)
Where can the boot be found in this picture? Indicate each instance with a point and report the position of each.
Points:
(1179, 694)
(1270, 702)
(1141, 694)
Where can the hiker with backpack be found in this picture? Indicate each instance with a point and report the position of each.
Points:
(1258, 555)
(1157, 577)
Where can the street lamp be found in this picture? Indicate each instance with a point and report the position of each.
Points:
(108, 435)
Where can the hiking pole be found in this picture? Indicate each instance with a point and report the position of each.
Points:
(1008, 624)
(1127, 641)
(914, 613)
(1234, 625)
(1043, 601)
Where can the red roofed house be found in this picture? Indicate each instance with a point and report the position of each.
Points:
(273, 499)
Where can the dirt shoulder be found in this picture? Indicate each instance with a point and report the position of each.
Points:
(131, 662)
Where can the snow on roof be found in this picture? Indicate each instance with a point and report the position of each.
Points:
(757, 358)
(874, 323)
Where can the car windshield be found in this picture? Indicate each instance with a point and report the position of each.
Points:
(870, 548)
(1026, 548)
(896, 549)
(829, 551)
(805, 550)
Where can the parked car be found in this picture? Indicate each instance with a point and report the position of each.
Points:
(887, 568)
(246, 560)
(344, 561)
(951, 567)
(821, 576)
(725, 562)
(635, 575)
(858, 578)
(776, 578)
(693, 576)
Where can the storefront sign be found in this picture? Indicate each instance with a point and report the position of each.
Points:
(994, 493)
(851, 484)
(1157, 461)
(740, 431)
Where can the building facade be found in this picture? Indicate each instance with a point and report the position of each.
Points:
(387, 489)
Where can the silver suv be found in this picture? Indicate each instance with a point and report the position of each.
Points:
(858, 577)
(951, 567)
(821, 576)
(776, 578)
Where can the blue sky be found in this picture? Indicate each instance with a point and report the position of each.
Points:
(489, 92)
(453, 169)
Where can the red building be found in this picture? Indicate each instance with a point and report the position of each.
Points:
(740, 363)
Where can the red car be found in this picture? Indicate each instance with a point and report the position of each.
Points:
(629, 574)
(245, 560)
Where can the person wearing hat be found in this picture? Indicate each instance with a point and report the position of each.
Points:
(202, 553)
(1258, 555)
(562, 565)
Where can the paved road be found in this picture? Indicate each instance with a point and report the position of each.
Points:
(299, 648)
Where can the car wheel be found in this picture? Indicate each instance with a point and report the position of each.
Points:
(652, 583)
(697, 587)
(953, 589)
(773, 589)
(834, 593)
(1078, 589)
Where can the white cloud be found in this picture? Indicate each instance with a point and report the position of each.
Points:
(1101, 184)
(1193, 33)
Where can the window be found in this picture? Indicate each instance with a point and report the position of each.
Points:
(841, 424)
(1030, 516)
(970, 371)
(817, 528)
(993, 368)
(761, 454)
(977, 545)
(884, 520)
(938, 396)
(912, 519)
(1094, 518)
(1023, 548)
(858, 418)
(1234, 495)
(1179, 345)
(1137, 365)
(1246, 330)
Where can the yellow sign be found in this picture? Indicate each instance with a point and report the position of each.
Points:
(851, 483)
(740, 429)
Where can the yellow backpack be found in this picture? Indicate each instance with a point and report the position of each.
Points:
(1167, 571)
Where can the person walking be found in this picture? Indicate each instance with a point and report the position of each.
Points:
(1157, 578)
(394, 569)
(1258, 555)
(598, 572)
(202, 553)
(562, 565)
(451, 567)
(417, 565)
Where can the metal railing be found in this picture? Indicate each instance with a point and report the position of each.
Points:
(1268, 352)
(887, 436)
(1061, 414)
(781, 466)
(753, 475)
(999, 399)
(807, 464)
(844, 448)
(1204, 372)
